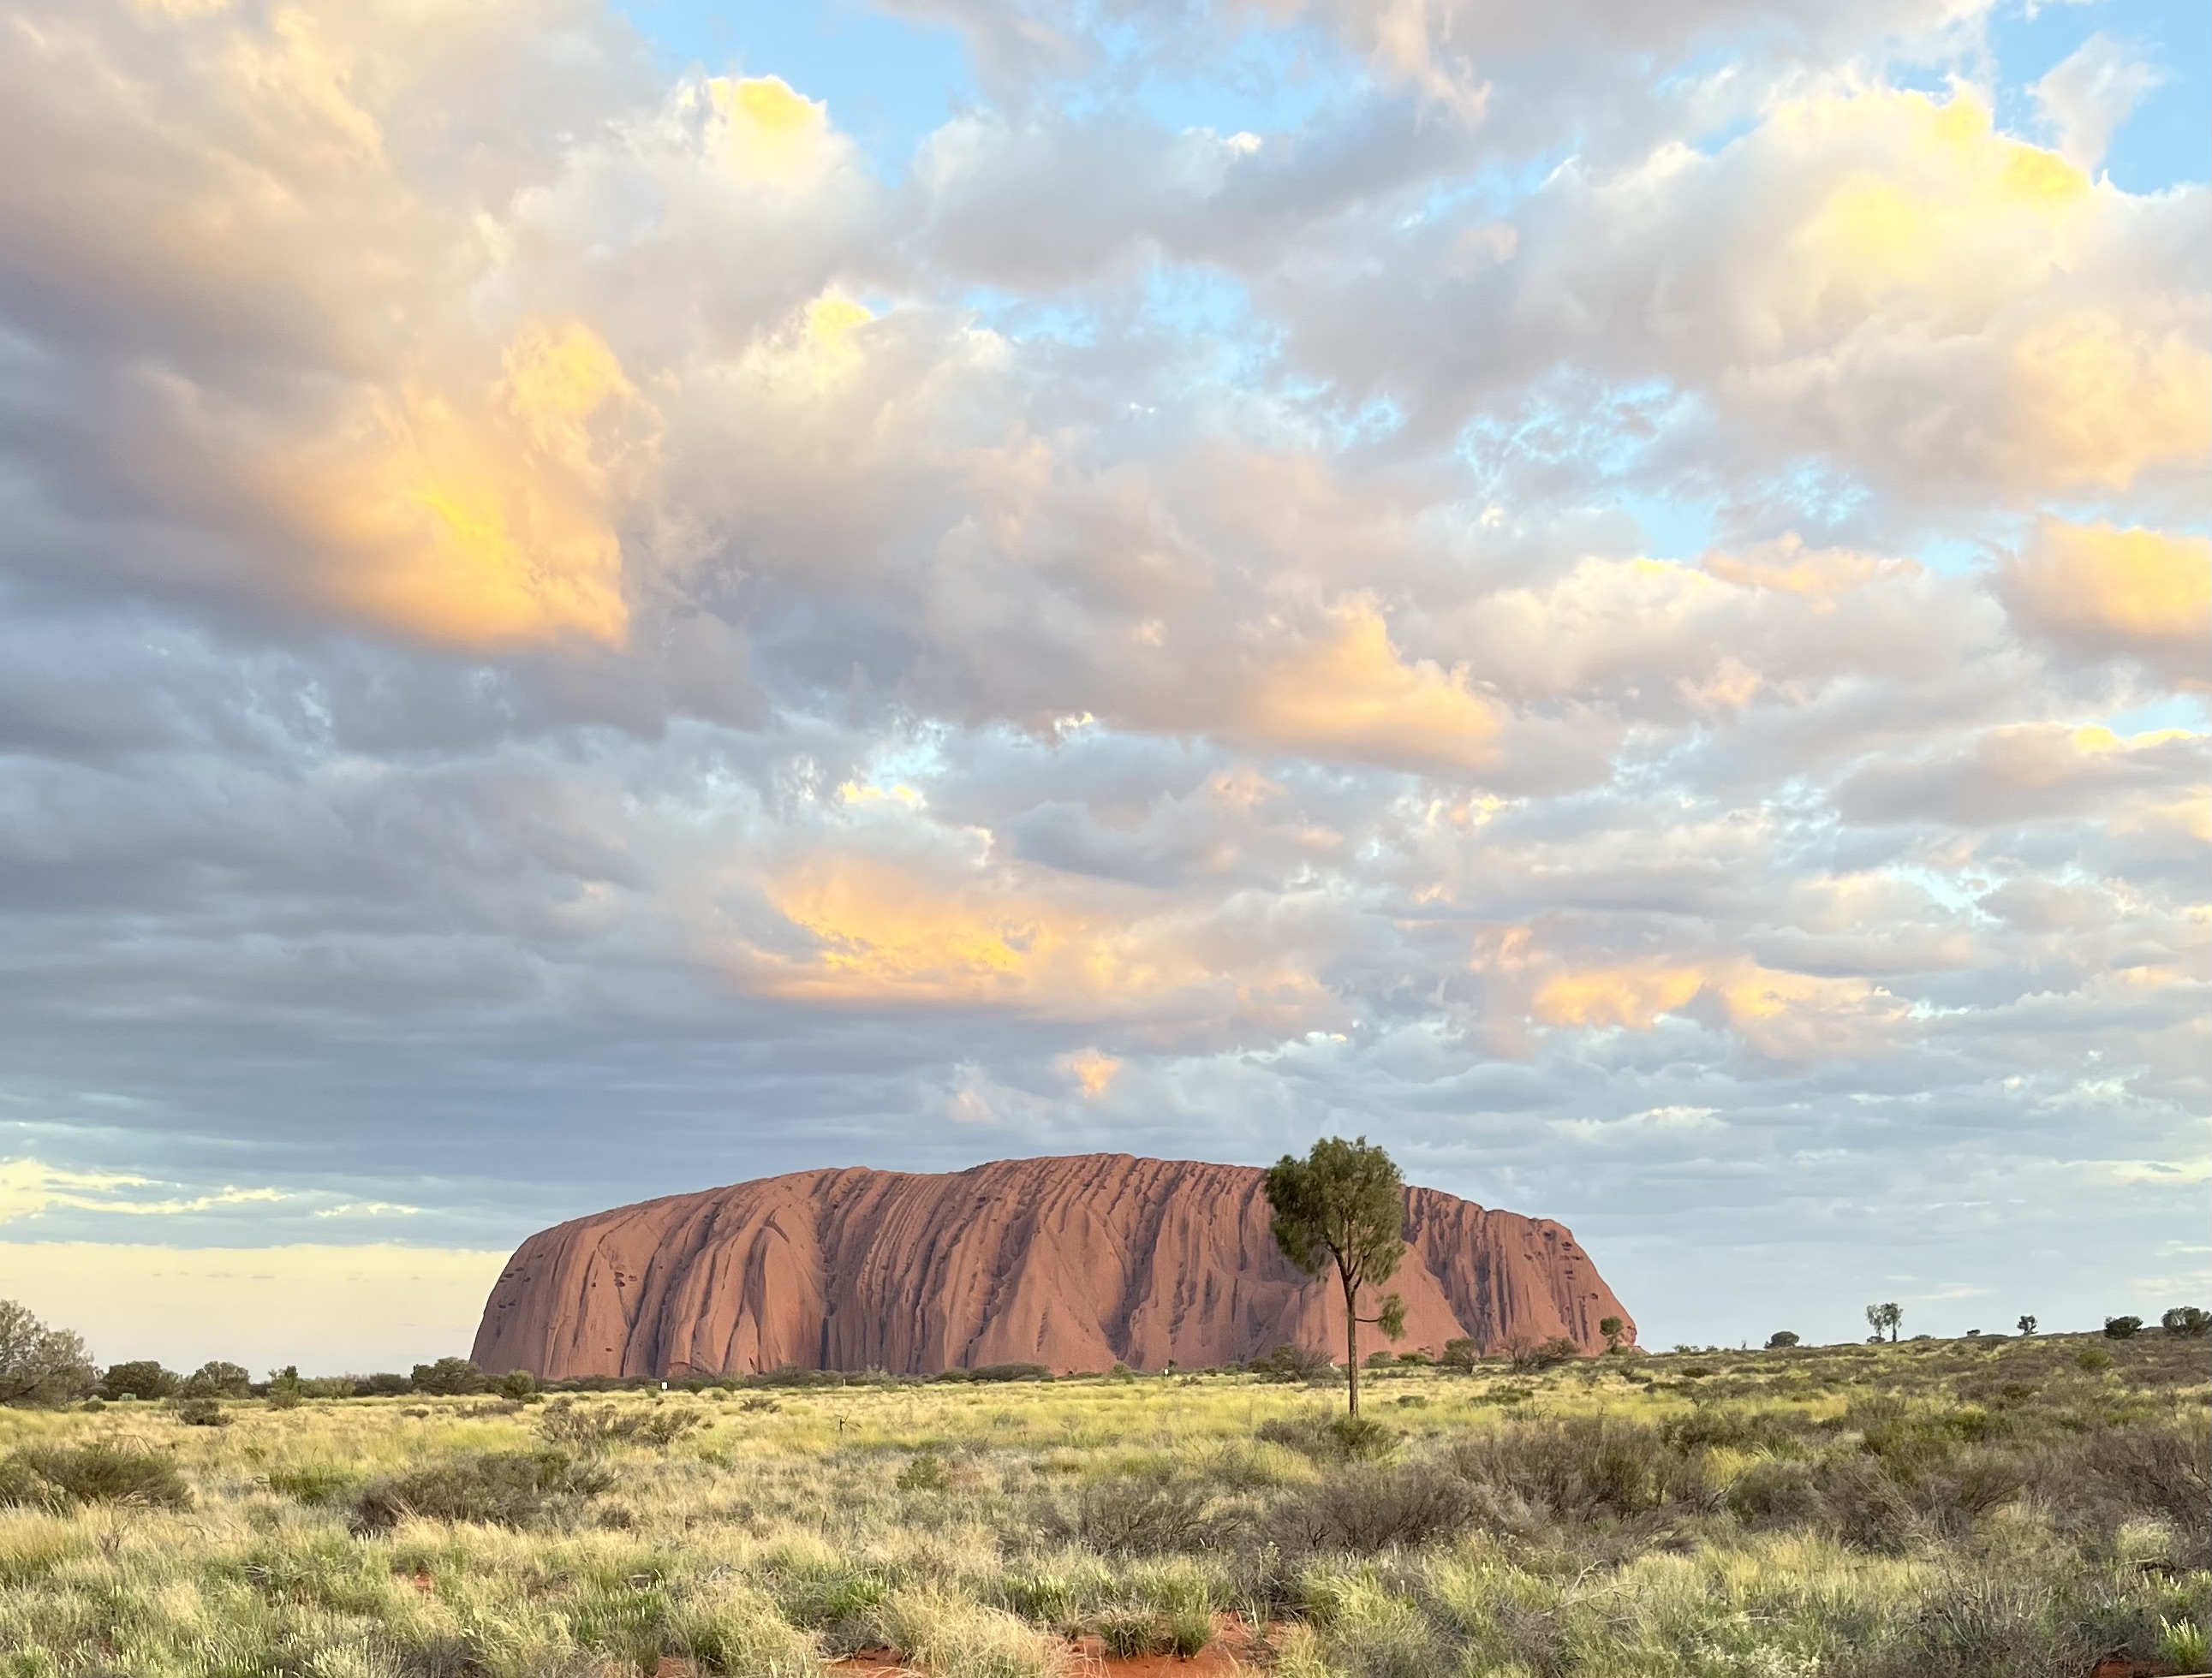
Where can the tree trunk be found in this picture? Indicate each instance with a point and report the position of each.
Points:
(1351, 1337)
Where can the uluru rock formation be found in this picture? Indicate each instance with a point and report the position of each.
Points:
(1072, 1263)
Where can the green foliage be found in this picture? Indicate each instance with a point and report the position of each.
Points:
(318, 1485)
(2025, 1325)
(593, 1428)
(1884, 1318)
(38, 1364)
(990, 1373)
(1614, 1330)
(217, 1379)
(140, 1378)
(2093, 1360)
(1461, 1354)
(1344, 1204)
(517, 1384)
(2122, 1328)
(514, 1488)
(924, 1472)
(388, 1384)
(1288, 1364)
(2186, 1320)
(1544, 1355)
(1781, 1340)
(451, 1376)
(59, 1476)
(202, 1413)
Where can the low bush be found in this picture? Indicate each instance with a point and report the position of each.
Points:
(1367, 1509)
(1292, 1364)
(202, 1413)
(512, 1488)
(593, 1428)
(1345, 1439)
(319, 1485)
(998, 1372)
(59, 1477)
(1129, 1516)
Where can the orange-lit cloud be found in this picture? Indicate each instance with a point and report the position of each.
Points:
(1347, 692)
(2104, 589)
(478, 518)
(1783, 1014)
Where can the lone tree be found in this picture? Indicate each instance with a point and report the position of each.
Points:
(1885, 1317)
(2025, 1325)
(40, 1365)
(1344, 1203)
(1614, 1332)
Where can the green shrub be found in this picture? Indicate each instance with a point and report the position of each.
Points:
(142, 1378)
(504, 1488)
(2186, 1320)
(59, 1476)
(2122, 1328)
(924, 1472)
(453, 1377)
(1781, 1340)
(323, 1485)
(2094, 1360)
(388, 1383)
(202, 1413)
(218, 1379)
(1292, 1364)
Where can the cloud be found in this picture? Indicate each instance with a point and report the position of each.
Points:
(1459, 571)
(2090, 93)
(2100, 590)
(29, 1189)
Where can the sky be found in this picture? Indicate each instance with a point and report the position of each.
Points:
(597, 600)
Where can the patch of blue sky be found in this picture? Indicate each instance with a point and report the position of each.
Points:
(2168, 138)
(889, 82)
(2189, 712)
(1673, 527)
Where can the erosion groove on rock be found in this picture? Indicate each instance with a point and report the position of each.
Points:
(1072, 1263)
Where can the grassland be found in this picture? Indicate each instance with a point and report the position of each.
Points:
(2008, 1508)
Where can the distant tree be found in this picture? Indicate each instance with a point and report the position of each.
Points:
(2186, 1320)
(40, 1365)
(140, 1378)
(1382, 1358)
(1780, 1339)
(1885, 1317)
(2122, 1328)
(217, 1379)
(1462, 1354)
(286, 1388)
(1614, 1332)
(1344, 1203)
(388, 1383)
(2025, 1325)
(449, 1376)
(517, 1384)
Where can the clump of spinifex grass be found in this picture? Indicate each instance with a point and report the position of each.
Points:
(1966, 1508)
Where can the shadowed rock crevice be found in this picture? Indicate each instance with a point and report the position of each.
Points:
(1074, 1262)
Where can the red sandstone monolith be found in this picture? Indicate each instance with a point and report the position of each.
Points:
(1077, 1264)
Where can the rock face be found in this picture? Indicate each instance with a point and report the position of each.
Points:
(1072, 1263)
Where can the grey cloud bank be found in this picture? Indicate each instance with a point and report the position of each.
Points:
(558, 648)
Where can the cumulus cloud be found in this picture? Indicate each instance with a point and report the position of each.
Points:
(620, 641)
(2097, 590)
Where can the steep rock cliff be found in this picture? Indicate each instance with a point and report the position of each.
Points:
(1073, 1262)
